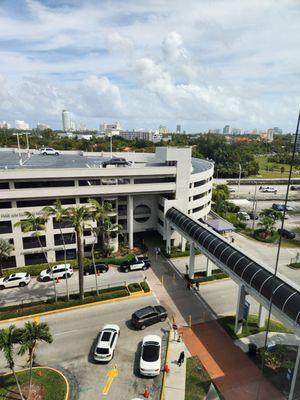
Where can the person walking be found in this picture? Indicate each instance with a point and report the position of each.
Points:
(188, 285)
(186, 269)
(197, 286)
(180, 359)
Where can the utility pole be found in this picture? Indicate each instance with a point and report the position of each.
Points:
(19, 150)
(254, 208)
(27, 144)
(239, 183)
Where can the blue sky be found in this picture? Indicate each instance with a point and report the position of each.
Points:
(199, 63)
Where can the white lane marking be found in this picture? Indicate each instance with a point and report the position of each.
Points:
(64, 333)
(88, 165)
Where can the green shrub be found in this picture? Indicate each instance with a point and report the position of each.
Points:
(213, 277)
(145, 287)
(295, 265)
(134, 287)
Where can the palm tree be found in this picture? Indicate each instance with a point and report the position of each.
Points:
(78, 216)
(8, 337)
(30, 335)
(5, 249)
(35, 224)
(267, 224)
(269, 212)
(59, 214)
(106, 228)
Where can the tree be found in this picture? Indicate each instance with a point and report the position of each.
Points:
(107, 228)
(36, 224)
(5, 249)
(78, 216)
(8, 338)
(281, 170)
(59, 213)
(30, 335)
(269, 212)
(267, 224)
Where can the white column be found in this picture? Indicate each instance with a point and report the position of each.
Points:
(240, 310)
(295, 374)
(130, 221)
(208, 267)
(192, 261)
(168, 237)
(262, 314)
(183, 243)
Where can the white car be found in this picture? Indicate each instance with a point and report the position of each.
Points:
(106, 345)
(268, 189)
(49, 151)
(150, 362)
(243, 215)
(58, 271)
(19, 279)
(231, 190)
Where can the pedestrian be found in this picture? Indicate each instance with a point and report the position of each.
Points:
(186, 269)
(188, 285)
(180, 359)
(232, 239)
(197, 286)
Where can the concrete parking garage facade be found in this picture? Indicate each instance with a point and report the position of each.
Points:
(140, 194)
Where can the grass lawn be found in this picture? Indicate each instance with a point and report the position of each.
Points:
(264, 165)
(228, 324)
(53, 383)
(197, 380)
(287, 243)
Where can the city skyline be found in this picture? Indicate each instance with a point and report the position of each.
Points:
(230, 63)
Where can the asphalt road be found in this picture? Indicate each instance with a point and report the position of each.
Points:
(247, 191)
(75, 333)
(40, 290)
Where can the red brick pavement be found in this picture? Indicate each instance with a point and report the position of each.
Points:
(234, 374)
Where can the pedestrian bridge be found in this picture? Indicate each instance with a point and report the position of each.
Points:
(255, 279)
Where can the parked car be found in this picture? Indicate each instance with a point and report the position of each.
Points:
(100, 268)
(253, 215)
(135, 264)
(148, 316)
(278, 207)
(286, 234)
(243, 215)
(150, 361)
(19, 279)
(58, 271)
(268, 189)
(106, 345)
(49, 151)
(295, 187)
(117, 161)
(231, 190)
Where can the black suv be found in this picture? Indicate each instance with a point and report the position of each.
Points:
(295, 187)
(148, 316)
(100, 267)
(115, 161)
(135, 264)
(286, 234)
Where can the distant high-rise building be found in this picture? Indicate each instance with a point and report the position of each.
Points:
(21, 125)
(66, 120)
(42, 127)
(5, 125)
(226, 129)
(236, 131)
(178, 128)
(163, 130)
(110, 129)
(276, 130)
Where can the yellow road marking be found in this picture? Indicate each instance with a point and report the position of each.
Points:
(37, 319)
(111, 375)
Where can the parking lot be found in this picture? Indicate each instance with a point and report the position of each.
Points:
(75, 334)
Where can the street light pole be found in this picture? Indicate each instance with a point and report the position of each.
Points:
(19, 150)
(239, 183)
(254, 208)
(27, 144)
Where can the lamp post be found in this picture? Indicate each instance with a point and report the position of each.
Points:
(239, 182)
(254, 208)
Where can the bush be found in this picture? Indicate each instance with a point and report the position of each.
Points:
(213, 277)
(295, 265)
(134, 287)
(145, 287)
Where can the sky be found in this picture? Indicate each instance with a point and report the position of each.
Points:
(198, 63)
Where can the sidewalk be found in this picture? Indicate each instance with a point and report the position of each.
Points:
(289, 339)
(175, 379)
(236, 377)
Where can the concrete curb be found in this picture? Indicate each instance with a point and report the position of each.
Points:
(52, 369)
(162, 391)
(61, 310)
(214, 281)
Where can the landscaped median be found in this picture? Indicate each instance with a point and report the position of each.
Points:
(48, 384)
(201, 278)
(48, 307)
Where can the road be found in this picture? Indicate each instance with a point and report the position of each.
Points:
(41, 290)
(247, 191)
(75, 333)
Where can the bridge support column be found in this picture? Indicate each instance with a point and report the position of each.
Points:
(183, 243)
(240, 310)
(262, 315)
(208, 267)
(168, 237)
(130, 221)
(192, 260)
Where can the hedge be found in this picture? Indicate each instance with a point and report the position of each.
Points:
(213, 277)
(178, 253)
(35, 270)
(134, 287)
(35, 308)
(295, 265)
(145, 287)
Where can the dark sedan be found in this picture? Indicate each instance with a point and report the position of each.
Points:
(100, 268)
(286, 234)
